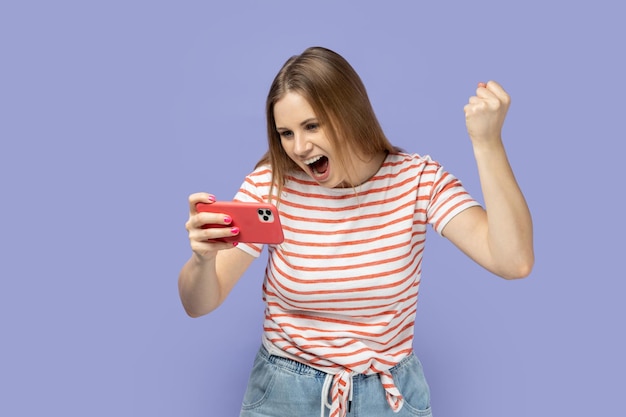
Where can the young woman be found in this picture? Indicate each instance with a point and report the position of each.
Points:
(341, 290)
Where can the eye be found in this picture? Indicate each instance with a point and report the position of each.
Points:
(285, 133)
(312, 126)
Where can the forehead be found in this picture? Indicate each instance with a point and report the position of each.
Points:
(292, 108)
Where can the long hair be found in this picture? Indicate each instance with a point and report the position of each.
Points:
(339, 100)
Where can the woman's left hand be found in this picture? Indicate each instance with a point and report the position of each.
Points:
(485, 113)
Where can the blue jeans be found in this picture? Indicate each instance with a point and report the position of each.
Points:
(280, 387)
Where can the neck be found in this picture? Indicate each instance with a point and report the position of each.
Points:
(365, 168)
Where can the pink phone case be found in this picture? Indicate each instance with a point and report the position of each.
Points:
(257, 222)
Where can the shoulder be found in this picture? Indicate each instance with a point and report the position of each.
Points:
(405, 165)
(260, 177)
(256, 185)
(260, 173)
(409, 159)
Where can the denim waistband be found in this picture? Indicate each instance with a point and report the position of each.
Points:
(304, 369)
(290, 364)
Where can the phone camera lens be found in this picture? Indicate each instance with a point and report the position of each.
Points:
(266, 218)
(260, 211)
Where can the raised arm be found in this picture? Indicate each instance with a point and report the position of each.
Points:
(499, 237)
(214, 267)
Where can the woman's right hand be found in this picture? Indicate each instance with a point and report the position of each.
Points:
(201, 239)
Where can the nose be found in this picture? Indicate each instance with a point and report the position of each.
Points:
(301, 145)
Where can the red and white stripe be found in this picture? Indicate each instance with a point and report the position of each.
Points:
(341, 290)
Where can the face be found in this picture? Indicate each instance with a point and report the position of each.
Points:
(303, 139)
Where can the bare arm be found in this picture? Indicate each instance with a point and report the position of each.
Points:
(214, 267)
(499, 238)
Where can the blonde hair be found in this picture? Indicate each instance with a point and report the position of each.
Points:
(339, 100)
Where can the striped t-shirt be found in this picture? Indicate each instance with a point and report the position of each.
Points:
(341, 290)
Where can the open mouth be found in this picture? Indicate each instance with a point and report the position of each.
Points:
(318, 166)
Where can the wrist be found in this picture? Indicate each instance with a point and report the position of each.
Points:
(202, 260)
(488, 145)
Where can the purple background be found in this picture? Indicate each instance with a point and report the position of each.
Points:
(111, 113)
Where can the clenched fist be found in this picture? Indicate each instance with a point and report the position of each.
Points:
(485, 113)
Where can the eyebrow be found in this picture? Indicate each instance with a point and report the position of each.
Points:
(304, 123)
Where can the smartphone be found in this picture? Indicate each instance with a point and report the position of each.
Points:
(257, 222)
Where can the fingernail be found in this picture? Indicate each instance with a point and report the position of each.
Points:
(227, 219)
(234, 230)
(235, 243)
(211, 199)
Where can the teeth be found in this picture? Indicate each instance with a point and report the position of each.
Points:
(313, 160)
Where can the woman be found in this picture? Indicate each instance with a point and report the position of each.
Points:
(341, 291)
